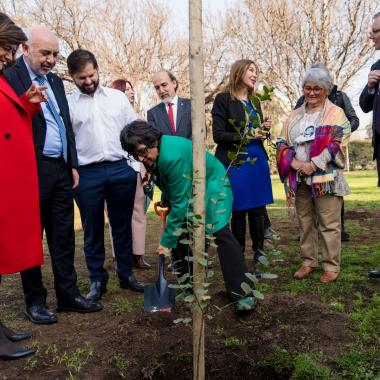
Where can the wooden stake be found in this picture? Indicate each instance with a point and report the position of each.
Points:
(199, 174)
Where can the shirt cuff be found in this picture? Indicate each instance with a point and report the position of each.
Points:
(371, 91)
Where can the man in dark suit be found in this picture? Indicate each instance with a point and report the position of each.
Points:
(370, 101)
(57, 175)
(173, 115)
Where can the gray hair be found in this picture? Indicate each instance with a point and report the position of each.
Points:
(320, 76)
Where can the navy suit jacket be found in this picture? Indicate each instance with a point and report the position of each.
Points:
(159, 117)
(18, 77)
(368, 103)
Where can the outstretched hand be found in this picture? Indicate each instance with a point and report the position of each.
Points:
(36, 94)
(161, 250)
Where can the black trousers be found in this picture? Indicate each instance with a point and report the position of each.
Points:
(57, 219)
(377, 156)
(256, 222)
(230, 257)
(267, 222)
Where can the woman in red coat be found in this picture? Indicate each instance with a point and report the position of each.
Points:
(20, 230)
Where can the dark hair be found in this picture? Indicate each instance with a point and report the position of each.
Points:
(120, 84)
(139, 132)
(10, 33)
(78, 59)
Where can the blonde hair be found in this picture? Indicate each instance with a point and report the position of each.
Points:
(237, 72)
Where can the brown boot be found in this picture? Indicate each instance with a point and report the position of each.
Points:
(328, 277)
(303, 272)
(140, 263)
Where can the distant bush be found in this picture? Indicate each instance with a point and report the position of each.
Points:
(361, 153)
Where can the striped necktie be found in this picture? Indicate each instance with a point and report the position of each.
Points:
(42, 81)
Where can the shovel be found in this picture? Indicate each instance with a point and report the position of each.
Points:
(159, 297)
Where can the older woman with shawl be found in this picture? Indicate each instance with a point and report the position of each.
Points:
(310, 161)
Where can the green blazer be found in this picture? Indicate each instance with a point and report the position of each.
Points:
(174, 176)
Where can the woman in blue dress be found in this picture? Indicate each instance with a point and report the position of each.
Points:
(251, 183)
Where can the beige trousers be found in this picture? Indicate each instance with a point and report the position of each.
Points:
(319, 219)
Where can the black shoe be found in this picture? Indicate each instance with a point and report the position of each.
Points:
(19, 353)
(13, 336)
(40, 314)
(374, 274)
(344, 236)
(140, 263)
(132, 283)
(268, 232)
(97, 289)
(79, 304)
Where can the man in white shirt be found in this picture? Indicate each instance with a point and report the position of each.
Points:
(173, 115)
(98, 114)
(370, 101)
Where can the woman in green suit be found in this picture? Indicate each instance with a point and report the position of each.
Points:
(169, 159)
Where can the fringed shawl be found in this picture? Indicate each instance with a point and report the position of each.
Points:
(332, 133)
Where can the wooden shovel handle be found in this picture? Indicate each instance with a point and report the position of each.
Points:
(162, 212)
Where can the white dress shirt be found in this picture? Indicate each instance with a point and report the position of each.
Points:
(97, 122)
(174, 103)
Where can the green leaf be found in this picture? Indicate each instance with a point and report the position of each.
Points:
(263, 260)
(201, 291)
(231, 121)
(202, 261)
(189, 298)
(252, 277)
(186, 241)
(269, 276)
(209, 274)
(246, 288)
(183, 278)
(231, 156)
(174, 286)
(179, 232)
(258, 294)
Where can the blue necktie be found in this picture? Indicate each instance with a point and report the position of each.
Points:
(42, 81)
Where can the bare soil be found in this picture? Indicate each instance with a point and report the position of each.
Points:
(128, 344)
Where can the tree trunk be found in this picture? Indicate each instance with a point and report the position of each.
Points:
(199, 174)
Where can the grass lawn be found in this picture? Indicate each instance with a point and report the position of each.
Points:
(301, 330)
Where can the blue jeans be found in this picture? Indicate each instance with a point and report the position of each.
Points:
(115, 183)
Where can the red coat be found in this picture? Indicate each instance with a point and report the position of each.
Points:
(20, 228)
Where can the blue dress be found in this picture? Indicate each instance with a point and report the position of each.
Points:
(251, 183)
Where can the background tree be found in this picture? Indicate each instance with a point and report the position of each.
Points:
(286, 36)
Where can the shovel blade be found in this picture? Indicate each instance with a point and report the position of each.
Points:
(159, 297)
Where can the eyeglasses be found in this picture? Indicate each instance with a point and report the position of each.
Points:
(316, 90)
(143, 152)
(372, 33)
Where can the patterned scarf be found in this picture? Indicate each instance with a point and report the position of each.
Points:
(332, 133)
